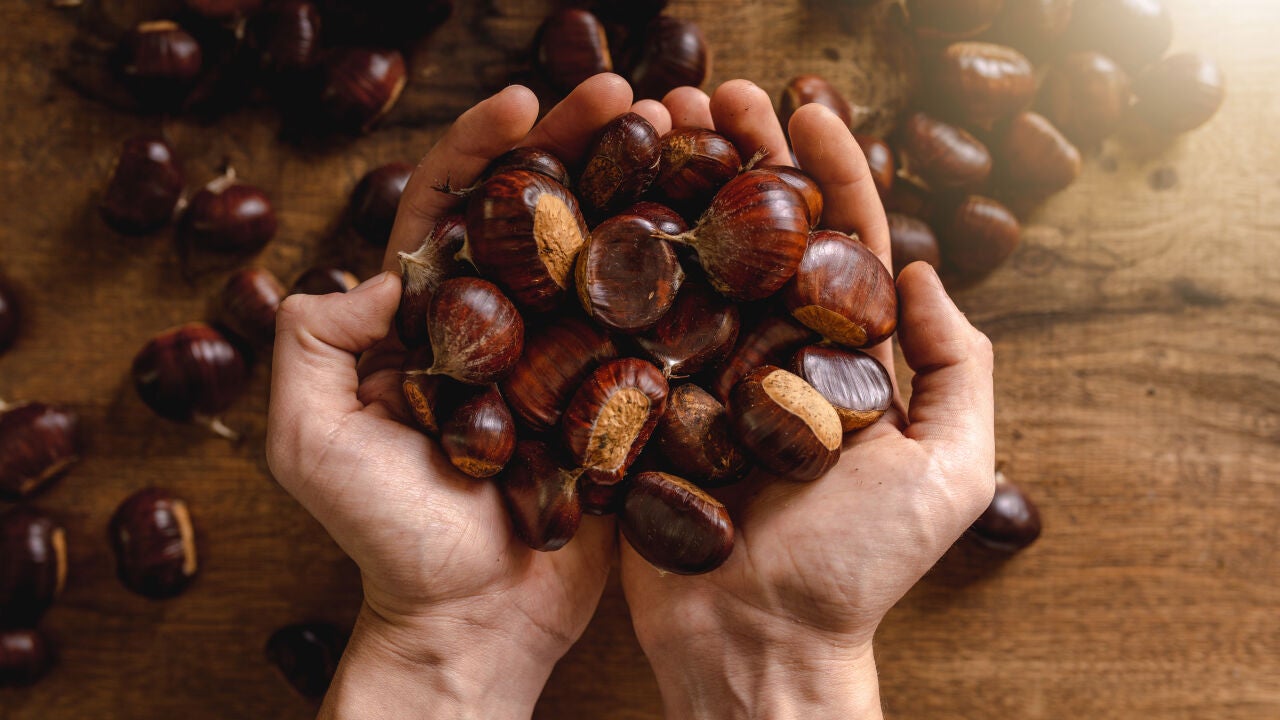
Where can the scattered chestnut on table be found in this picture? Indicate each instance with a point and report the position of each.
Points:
(612, 415)
(422, 271)
(1033, 158)
(324, 279)
(1011, 522)
(38, 443)
(786, 425)
(190, 373)
(287, 35)
(879, 161)
(626, 278)
(842, 291)
(229, 216)
(620, 165)
(911, 239)
(145, 186)
(1134, 33)
(476, 333)
(675, 525)
(33, 565)
(943, 155)
(1179, 93)
(25, 657)
(1034, 27)
(376, 199)
(952, 19)
(855, 384)
(557, 357)
(159, 62)
(1086, 95)
(248, 304)
(696, 439)
(809, 88)
(572, 46)
(976, 236)
(978, 84)
(673, 53)
(154, 543)
(361, 85)
(541, 497)
(479, 434)
(307, 655)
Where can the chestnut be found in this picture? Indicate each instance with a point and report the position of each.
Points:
(524, 231)
(673, 53)
(675, 525)
(978, 84)
(911, 239)
(227, 215)
(307, 655)
(34, 566)
(1011, 522)
(1086, 95)
(476, 333)
(532, 159)
(808, 188)
(223, 9)
(248, 305)
(361, 85)
(145, 186)
(696, 333)
(977, 236)
(627, 279)
(38, 443)
(190, 373)
(788, 427)
(557, 358)
(154, 543)
(324, 279)
(479, 434)
(695, 164)
(1180, 93)
(663, 218)
(952, 19)
(8, 317)
(431, 398)
(1034, 27)
(909, 196)
(601, 499)
(159, 62)
(855, 383)
(1034, 159)
(750, 240)
(422, 272)
(804, 89)
(541, 497)
(611, 416)
(572, 46)
(288, 37)
(1134, 33)
(25, 657)
(943, 155)
(772, 341)
(842, 291)
(620, 165)
(376, 199)
(879, 161)
(695, 437)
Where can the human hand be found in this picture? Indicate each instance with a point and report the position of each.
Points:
(784, 628)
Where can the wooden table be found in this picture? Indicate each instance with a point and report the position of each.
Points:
(1137, 336)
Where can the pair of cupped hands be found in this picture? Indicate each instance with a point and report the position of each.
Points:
(461, 619)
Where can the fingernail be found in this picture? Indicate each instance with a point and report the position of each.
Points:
(371, 283)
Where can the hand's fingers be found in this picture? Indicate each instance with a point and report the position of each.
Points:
(744, 113)
(656, 113)
(571, 126)
(689, 107)
(479, 135)
(382, 395)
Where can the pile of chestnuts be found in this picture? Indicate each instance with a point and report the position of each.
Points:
(623, 337)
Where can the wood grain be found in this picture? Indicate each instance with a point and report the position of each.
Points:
(1137, 335)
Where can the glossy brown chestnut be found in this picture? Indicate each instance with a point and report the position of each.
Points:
(909, 196)
(479, 435)
(476, 333)
(625, 277)
(541, 497)
(1134, 33)
(620, 165)
(1180, 93)
(25, 657)
(911, 239)
(611, 416)
(1086, 95)
(673, 53)
(33, 565)
(880, 161)
(675, 525)
(9, 316)
(695, 164)
(524, 232)
(600, 499)
(772, 341)
(307, 655)
(190, 373)
(1011, 522)
(978, 84)
(376, 199)
(808, 188)
(422, 272)
(572, 46)
(222, 9)
(663, 218)
(532, 159)
(288, 37)
(159, 62)
(977, 236)
(786, 425)
(248, 303)
(943, 155)
(855, 383)
(324, 279)
(227, 215)
(361, 85)
(952, 19)
(804, 89)
(842, 291)
(750, 240)
(1033, 159)
(695, 334)
(557, 358)
(144, 188)
(695, 437)
(154, 543)
(38, 443)
(1033, 27)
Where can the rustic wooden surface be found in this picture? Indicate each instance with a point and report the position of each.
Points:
(1137, 336)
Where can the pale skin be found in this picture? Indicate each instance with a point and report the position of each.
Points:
(461, 620)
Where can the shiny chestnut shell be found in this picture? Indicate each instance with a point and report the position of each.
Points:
(1011, 522)
(1033, 158)
(422, 271)
(572, 46)
(977, 236)
(879, 161)
(248, 304)
(620, 165)
(287, 35)
(675, 525)
(804, 89)
(557, 358)
(842, 291)
(229, 216)
(786, 425)
(154, 543)
(695, 334)
(189, 373)
(663, 218)
(696, 438)
(911, 240)
(673, 53)
(532, 159)
(771, 341)
(361, 85)
(25, 657)
(476, 333)
(541, 497)
(1086, 95)
(38, 443)
(953, 19)
(625, 277)
(612, 415)
(307, 655)
(324, 279)
(599, 498)
(978, 84)
(159, 62)
(376, 199)
(479, 434)
(855, 383)
(144, 188)
(1180, 93)
(943, 155)
(695, 164)
(1134, 33)
(808, 188)
(33, 565)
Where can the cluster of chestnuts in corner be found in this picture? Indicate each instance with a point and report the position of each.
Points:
(623, 337)
(991, 139)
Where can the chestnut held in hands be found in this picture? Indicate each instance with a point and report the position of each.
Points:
(675, 525)
(696, 333)
(663, 218)
(625, 277)
(159, 62)
(190, 373)
(307, 655)
(620, 165)
(943, 155)
(842, 291)
(695, 164)
(572, 46)
(227, 215)
(696, 439)
(1011, 522)
(673, 53)
(788, 427)
(541, 497)
(33, 565)
(376, 199)
(361, 85)
(557, 358)
(855, 383)
(476, 333)
(978, 84)
(323, 280)
(1180, 93)
(431, 398)
(612, 415)
(25, 656)
(38, 443)
(248, 305)
(144, 188)
(808, 188)
(479, 434)
(1086, 95)
(422, 272)
(154, 543)
(772, 341)
(532, 159)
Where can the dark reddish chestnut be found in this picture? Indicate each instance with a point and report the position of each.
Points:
(1086, 95)
(361, 85)
(695, 164)
(479, 435)
(855, 383)
(786, 425)
(879, 161)
(911, 239)
(8, 317)
(154, 543)
(532, 159)
(324, 279)
(557, 358)
(376, 199)
(1033, 159)
(1134, 33)
(248, 305)
(772, 341)
(1180, 93)
(144, 188)
(696, 333)
(476, 333)
(431, 398)
(25, 657)
(541, 497)
(38, 443)
(1011, 522)
(943, 155)
(909, 196)
(159, 62)
(190, 373)
(695, 437)
(222, 9)
(572, 46)
(288, 37)
(620, 165)
(843, 292)
(804, 89)
(1034, 27)
(307, 655)
(227, 215)
(675, 525)
(977, 236)
(625, 277)
(33, 565)
(673, 53)
(978, 84)
(953, 19)
(601, 499)
(751, 239)
(422, 272)
(524, 232)
(612, 415)
(808, 188)
(663, 218)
